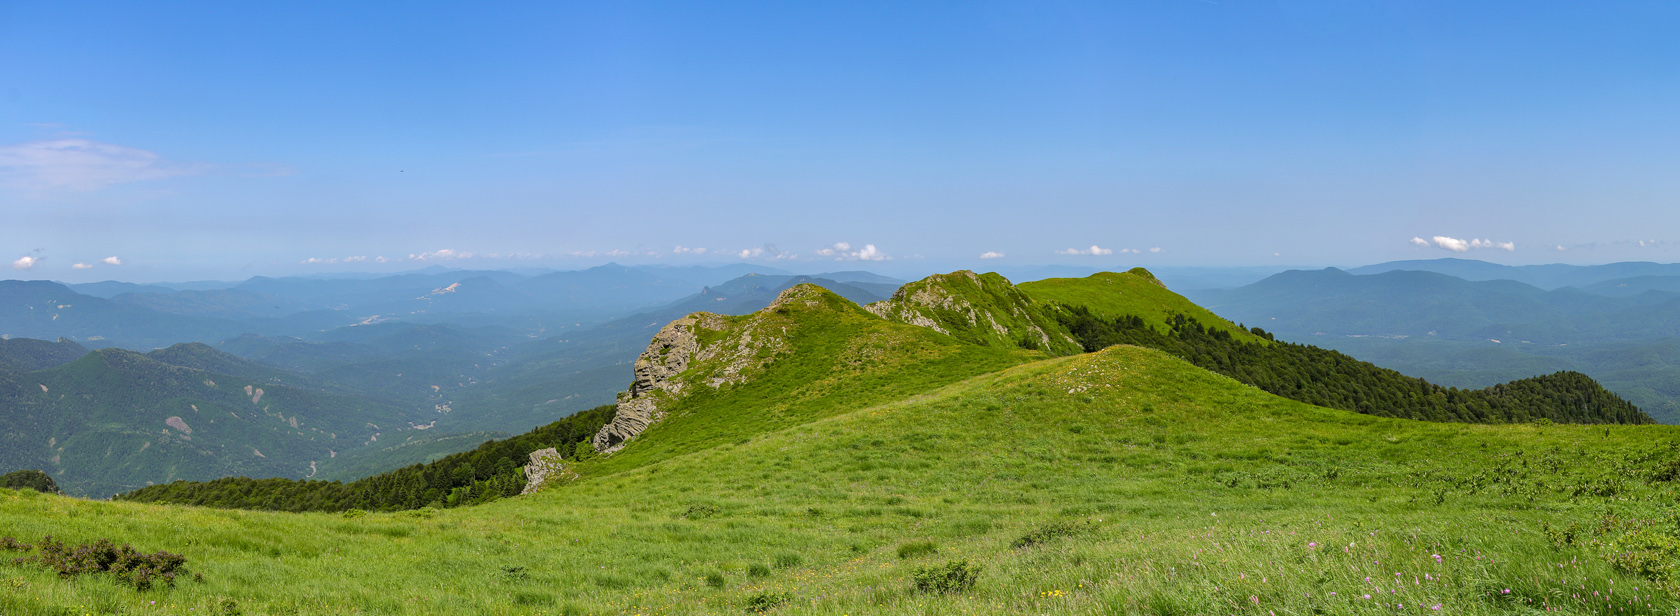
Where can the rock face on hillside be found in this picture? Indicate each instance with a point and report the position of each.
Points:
(979, 308)
(704, 350)
(666, 356)
(546, 465)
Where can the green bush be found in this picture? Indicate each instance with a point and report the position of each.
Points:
(952, 577)
(766, 601)
(757, 570)
(714, 579)
(917, 549)
(32, 480)
(130, 566)
(1045, 534)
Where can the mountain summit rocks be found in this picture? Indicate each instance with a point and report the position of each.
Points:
(666, 356)
(983, 309)
(707, 349)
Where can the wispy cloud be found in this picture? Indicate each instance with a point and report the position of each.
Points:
(80, 266)
(1094, 250)
(446, 254)
(1457, 245)
(84, 165)
(111, 261)
(842, 251)
(24, 263)
(991, 255)
(680, 250)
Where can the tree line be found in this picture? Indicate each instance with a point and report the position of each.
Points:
(1328, 378)
(487, 473)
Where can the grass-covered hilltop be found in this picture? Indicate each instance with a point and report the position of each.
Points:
(1073, 446)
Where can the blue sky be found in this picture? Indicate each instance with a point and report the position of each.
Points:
(230, 139)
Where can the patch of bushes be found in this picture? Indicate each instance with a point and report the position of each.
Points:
(757, 570)
(766, 601)
(714, 579)
(950, 578)
(128, 565)
(1045, 534)
(700, 510)
(917, 549)
(31, 480)
(789, 561)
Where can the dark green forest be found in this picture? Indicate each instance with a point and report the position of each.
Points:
(1328, 378)
(484, 474)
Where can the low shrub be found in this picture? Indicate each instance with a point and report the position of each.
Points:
(789, 561)
(127, 564)
(714, 579)
(700, 511)
(952, 577)
(766, 601)
(917, 549)
(1045, 534)
(757, 570)
(29, 480)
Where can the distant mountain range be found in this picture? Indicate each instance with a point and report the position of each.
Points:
(1619, 323)
(367, 394)
(1553, 276)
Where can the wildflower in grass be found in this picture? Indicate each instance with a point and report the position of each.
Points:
(1311, 545)
(1437, 607)
(1367, 596)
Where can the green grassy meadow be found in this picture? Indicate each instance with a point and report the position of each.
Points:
(1146, 486)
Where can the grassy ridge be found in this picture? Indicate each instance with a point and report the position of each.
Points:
(1180, 491)
(1132, 293)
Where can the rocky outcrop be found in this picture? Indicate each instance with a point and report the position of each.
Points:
(546, 465)
(983, 309)
(676, 359)
(666, 356)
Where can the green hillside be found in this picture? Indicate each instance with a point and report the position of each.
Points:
(813, 458)
(1125, 481)
(1133, 293)
(706, 379)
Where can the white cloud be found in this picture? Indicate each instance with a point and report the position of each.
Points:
(1155, 249)
(1457, 245)
(381, 260)
(1093, 250)
(842, 251)
(315, 261)
(748, 253)
(1420, 242)
(688, 251)
(111, 261)
(81, 266)
(991, 255)
(24, 263)
(446, 254)
(1452, 243)
(1560, 248)
(80, 164)
(355, 259)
